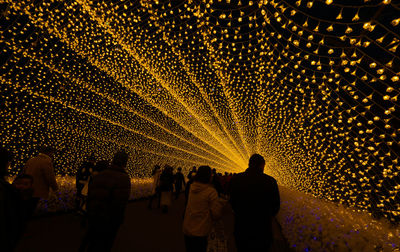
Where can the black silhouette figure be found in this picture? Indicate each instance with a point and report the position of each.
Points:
(166, 187)
(155, 191)
(108, 196)
(254, 197)
(179, 182)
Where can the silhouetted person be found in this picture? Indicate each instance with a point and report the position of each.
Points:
(82, 178)
(179, 182)
(190, 176)
(216, 182)
(224, 180)
(203, 208)
(254, 197)
(10, 214)
(42, 170)
(192, 173)
(155, 190)
(166, 187)
(24, 185)
(100, 166)
(108, 195)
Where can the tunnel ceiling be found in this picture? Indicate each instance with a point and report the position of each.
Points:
(311, 85)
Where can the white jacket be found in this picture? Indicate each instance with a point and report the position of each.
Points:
(203, 208)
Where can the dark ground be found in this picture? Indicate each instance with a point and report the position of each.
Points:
(143, 230)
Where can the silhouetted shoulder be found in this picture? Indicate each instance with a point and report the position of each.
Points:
(269, 178)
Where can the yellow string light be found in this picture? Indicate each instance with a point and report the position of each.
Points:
(191, 83)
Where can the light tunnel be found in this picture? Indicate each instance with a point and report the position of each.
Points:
(312, 85)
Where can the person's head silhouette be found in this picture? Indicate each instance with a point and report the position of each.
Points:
(257, 163)
(120, 159)
(92, 159)
(203, 175)
(155, 169)
(102, 165)
(47, 150)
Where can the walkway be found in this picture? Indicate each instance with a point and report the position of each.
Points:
(142, 231)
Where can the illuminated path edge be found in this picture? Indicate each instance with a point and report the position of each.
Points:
(307, 222)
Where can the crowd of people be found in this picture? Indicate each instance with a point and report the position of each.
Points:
(103, 190)
(168, 185)
(19, 200)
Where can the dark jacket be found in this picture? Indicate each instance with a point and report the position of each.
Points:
(217, 184)
(108, 195)
(255, 200)
(179, 180)
(166, 182)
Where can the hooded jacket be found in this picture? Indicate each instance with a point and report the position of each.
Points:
(202, 209)
(42, 170)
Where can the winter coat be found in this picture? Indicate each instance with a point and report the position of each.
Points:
(255, 200)
(203, 208)
(179, 180)
(108, 195)
(166, 182)
(42, 170)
